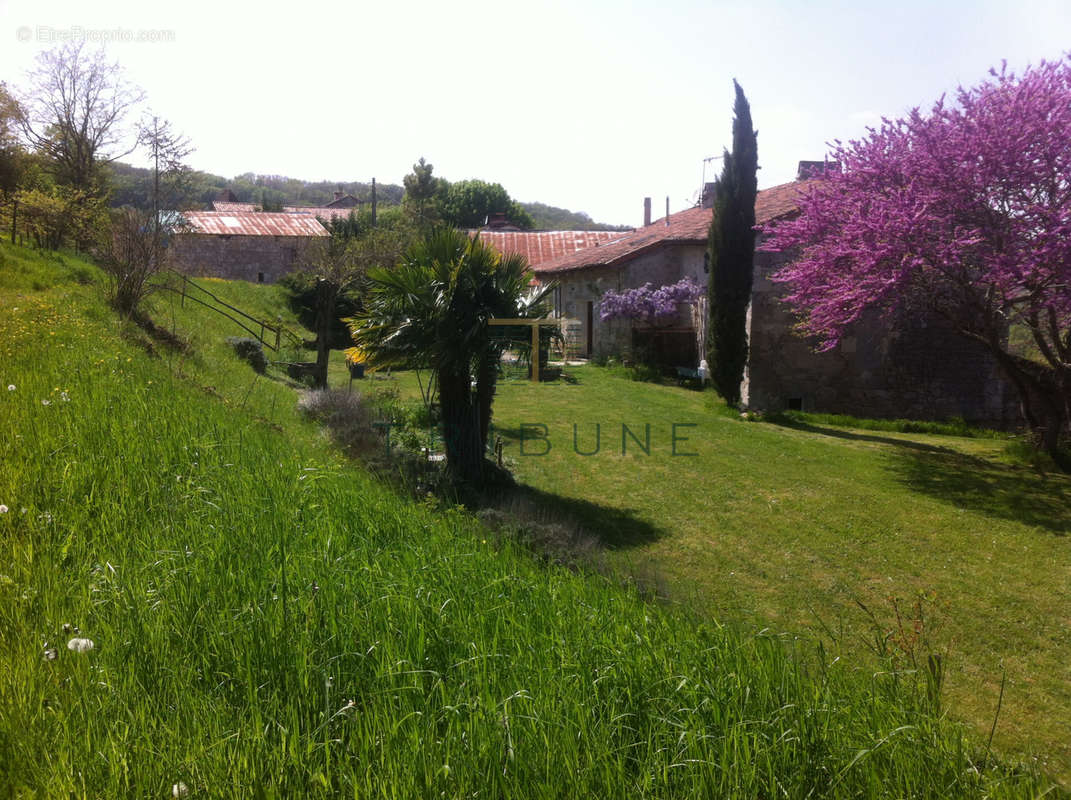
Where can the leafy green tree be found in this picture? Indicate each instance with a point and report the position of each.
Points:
(432, 311)
(337, 266)
(56, 216)
(468, 204)
(12, 156)
(421, 191)
(731, 254)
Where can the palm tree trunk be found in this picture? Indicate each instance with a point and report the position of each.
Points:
(486, 383)
(461, 427)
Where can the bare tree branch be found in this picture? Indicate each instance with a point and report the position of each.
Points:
(74, 112)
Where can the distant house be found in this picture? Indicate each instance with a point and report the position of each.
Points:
(233, 207)
(343, 201)
(251, 246)
(340, 208)
(915, 369)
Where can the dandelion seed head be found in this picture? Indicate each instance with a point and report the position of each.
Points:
(51, 654)
(11, 387)
(3, 509)
(80, 645)
(180, 790)
(46, 402)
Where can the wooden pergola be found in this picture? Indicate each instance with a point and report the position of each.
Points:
(535, 325)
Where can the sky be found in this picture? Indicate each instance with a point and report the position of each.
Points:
(590, 105)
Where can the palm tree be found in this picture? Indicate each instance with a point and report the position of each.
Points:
(431, 311)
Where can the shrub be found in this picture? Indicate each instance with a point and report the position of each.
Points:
(345, 415)
(250, 350)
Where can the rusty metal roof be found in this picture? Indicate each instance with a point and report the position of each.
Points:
(253, 224)
(541, 246)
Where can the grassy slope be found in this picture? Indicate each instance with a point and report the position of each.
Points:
(792, 526)
(270, 622)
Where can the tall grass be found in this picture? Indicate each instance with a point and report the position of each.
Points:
(269, 622)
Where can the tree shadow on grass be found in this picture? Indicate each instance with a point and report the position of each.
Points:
(837, 433)
(994, 489)
(572, 519)
(997, 490)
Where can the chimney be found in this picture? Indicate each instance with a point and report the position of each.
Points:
(338, 195)
(646, 211)
(816, 169)
(708, 195)
(667, 210)
(497, 219)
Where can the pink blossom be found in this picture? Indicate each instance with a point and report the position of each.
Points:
(965, 211)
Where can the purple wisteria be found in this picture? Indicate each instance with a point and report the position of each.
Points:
(647, 304)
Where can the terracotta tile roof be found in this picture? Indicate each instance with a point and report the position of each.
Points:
(324, 212)
(253, 224)
(685, 227)
(542, 246)
(232, 207)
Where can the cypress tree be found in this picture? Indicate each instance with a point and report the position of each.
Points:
(731, 254)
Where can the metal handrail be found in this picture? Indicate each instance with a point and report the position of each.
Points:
(278, 330)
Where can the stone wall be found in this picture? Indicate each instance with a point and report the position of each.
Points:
(910, 367)
(906, 368)
(259, 259)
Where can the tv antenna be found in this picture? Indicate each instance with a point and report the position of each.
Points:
(703, 179)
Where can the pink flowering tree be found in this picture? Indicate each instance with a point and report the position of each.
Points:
(963, 212)
(648, 305)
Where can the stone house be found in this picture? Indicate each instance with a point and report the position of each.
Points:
(915, 369)
(252, 246)
(661, 252)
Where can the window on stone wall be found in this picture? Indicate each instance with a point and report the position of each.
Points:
(260, 277)
(794, 404)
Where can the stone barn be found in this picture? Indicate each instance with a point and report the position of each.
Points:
(915, 368)
(252, 246)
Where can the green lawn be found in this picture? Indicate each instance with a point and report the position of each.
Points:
(269, 621)
(795, 527)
